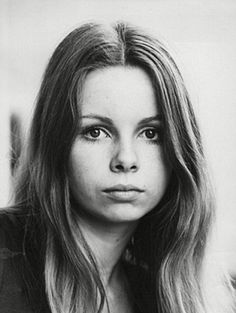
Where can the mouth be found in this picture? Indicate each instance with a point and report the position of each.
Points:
(123, 193)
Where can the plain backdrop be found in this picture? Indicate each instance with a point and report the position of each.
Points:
(202, 37)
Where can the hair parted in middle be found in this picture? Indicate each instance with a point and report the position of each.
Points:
(170, 241)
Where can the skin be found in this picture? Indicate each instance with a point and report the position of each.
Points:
(116, 144)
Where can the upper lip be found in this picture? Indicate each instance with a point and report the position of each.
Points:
(121, 187)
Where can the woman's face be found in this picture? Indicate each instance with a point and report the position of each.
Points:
(118, 172)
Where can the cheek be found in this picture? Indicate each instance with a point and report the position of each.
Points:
(84, 166)
(83, 161)
(157, 172)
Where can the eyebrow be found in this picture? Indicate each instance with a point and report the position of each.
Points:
(108, 121)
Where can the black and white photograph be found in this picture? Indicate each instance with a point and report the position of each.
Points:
(117, 156)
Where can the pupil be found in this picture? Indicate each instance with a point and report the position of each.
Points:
(95, 133)
(150, 133)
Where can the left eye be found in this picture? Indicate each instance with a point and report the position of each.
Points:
(150, 133)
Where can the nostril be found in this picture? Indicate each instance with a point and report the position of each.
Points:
(119, 167)
(123, 168)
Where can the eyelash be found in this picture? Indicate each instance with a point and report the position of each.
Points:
(157, 133)
(89, 129)
(86, 130)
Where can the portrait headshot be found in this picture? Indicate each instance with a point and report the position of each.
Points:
(117, 132)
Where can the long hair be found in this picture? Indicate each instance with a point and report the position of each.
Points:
(169, 242)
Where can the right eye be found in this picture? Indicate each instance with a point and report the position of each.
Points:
(94, 133)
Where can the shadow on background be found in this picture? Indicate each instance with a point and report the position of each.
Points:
(15, 141)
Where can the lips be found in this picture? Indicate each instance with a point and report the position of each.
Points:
(123, 193)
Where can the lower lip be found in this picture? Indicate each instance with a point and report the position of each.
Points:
(123, 196)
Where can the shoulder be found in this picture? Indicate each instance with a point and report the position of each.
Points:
(12, 298)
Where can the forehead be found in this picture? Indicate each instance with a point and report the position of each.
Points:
(119, 90)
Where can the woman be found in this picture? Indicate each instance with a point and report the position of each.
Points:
(112, 204)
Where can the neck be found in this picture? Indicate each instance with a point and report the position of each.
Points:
(107, 241)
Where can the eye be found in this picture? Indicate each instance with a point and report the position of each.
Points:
(94, 133)
(151, 134)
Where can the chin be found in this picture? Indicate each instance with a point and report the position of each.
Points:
(125, 214)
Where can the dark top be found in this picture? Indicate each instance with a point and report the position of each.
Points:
(14, 300)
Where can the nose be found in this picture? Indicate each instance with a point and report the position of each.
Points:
(124, 158)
